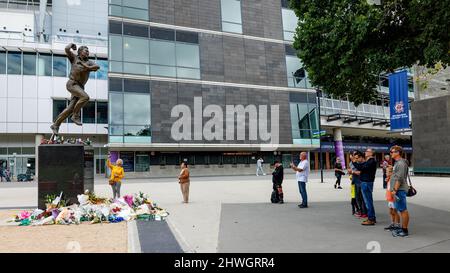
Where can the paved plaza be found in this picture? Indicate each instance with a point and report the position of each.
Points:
(233, 214)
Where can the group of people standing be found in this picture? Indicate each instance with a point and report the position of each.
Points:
(395, 174)
(362, 170)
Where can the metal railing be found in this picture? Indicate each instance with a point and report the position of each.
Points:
(333, 106)
(84, 40)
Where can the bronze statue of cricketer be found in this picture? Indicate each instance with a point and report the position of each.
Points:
(79, 75)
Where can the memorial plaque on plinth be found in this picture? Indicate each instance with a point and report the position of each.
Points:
(67, 168)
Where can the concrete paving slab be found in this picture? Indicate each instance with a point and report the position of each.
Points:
(156, 237)
(326, 227)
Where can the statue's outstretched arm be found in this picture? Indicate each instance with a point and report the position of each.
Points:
(69, 52)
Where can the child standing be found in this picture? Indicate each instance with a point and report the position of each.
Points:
(395, 217)
(355, 207)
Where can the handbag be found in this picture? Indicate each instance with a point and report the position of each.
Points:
(411, 190)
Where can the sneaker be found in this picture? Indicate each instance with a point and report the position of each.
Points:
(55, 129)
(302, 206)
(76, 120)
(340, 187)
(368, 223)
(399, 233)
(358, 214)
(364, 216)
(335, 186)
(390, 227)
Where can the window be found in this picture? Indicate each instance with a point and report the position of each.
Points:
(293, 64)
(59, 66)
(188, 60)
(45, 65)
(135, 30)
(162, 55)
(29, 63)
(14, 63)
(289, 24)
(116, 108)
(137, 109)
(115, 48)
(187, 37)
(102, 112)
(58, 107)
(231, 16)
(88, 113)
(188, 55)
(168, 53)
(115, 84)
(115, 27)
(136, 9)
(136, 55)
(142, 162)
(2, 62)
(136, 86)
(304, 117)
(132, 125)
(162, 34)
(102, 73)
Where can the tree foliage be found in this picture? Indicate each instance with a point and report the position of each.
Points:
(345, 44)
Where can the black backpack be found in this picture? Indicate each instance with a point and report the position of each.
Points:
(274, 197)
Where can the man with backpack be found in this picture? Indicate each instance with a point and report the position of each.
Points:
(277, 180)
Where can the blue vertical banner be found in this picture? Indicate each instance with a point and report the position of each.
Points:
(399, 106)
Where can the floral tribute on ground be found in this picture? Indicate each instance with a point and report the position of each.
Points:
(92, 209)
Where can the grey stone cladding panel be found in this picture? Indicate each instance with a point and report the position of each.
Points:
(211, 57)
(164, 98)
(273, 23)
(166, 95)
(210, 15)
(234, 59)
(162, 11)
(252, 19)
(276, 64)
(431, 127)
(187, 13)
(255, 62)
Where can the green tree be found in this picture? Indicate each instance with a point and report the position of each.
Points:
(346, 44)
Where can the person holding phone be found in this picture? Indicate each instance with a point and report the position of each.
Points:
(302, 173)
(117, 173)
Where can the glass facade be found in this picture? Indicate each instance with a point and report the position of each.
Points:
(290, 21)
(2, 62)
(293, 64)
(93, 112)
(130, 111)
(231, 16)
(42, 64)
(304, 118)
(154, 51)
(14, 63)
(29, 63)
(133, 9)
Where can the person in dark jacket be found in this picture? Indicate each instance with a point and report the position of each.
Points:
(358, 157)
(338, 173)
(277, 180)
(367, 171)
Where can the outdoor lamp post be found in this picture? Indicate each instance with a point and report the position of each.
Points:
(318, 95)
